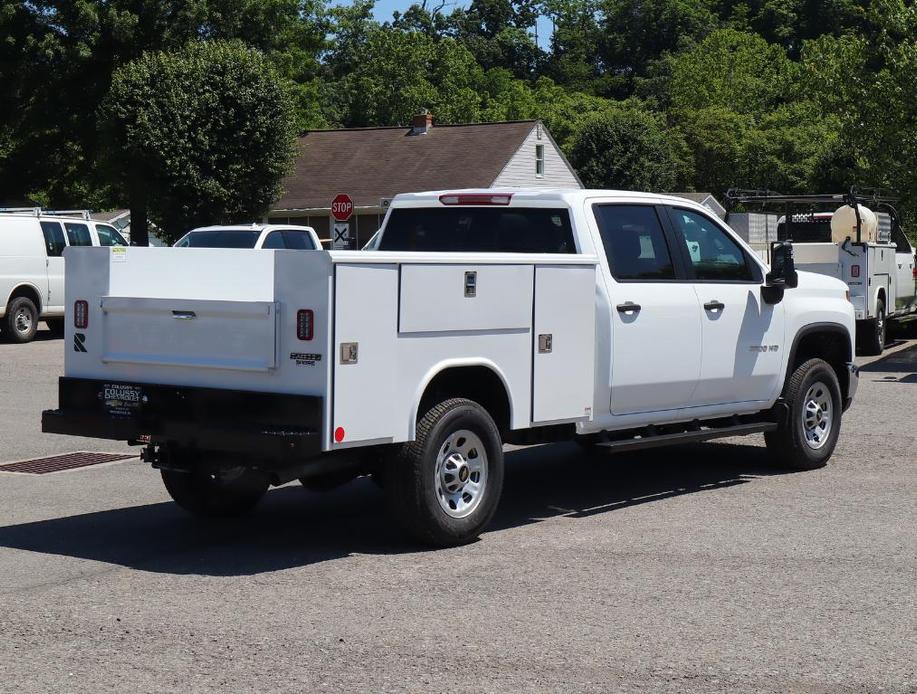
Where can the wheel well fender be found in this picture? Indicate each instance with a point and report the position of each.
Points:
(480, 380)
(29, 291)
(828, 341)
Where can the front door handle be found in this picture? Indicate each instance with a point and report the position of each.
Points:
(628, 307)
(714, 305)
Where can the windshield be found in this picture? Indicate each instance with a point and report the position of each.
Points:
(220, 238)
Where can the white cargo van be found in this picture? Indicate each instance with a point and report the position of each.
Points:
(32, 244)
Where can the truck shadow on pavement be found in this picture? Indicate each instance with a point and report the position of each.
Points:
(899, 367)
(294, 528)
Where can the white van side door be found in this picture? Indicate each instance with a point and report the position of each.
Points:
(55, 244)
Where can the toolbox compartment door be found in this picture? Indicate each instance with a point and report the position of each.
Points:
(198, 333)
(563, 343)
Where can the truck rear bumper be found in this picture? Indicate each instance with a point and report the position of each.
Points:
(267, 424)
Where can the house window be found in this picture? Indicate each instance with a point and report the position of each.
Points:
(539, 160)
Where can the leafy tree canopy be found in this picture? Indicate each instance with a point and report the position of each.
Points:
(200, 135)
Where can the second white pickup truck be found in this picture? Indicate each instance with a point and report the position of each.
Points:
(622, 320)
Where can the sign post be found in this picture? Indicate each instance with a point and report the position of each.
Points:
(341, 211)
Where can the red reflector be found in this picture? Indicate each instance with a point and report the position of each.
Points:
(304, 324)
(339, 434)
(476, 199)
(81, 314)
(854, 270)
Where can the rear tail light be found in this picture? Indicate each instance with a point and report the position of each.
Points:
(81, 314)
(476, 199)
(854, 270)
(304, 324)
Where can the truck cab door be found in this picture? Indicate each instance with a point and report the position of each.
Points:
(742, 335)
(655, 320)
(54, 247)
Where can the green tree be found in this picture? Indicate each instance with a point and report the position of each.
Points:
(56, 65)
(869, 85)
(394, 74)
(199, 135)
(636, 33)
(627, 149)
(733, 70)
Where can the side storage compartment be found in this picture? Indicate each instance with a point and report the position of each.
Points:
(564, 343)
(364, 354)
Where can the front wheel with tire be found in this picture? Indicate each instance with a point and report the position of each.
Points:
(443, 488)
(21, 319)
(874, 334)
(213, 492)
(807, 436)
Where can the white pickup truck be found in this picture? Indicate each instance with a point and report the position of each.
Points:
(476, 319)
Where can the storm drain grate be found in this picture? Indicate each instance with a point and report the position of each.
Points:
(67, 461)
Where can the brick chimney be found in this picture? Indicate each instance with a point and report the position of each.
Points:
(421, 123)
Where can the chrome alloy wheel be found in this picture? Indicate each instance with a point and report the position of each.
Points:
(23, 321)
(461, 473)
(817, 415)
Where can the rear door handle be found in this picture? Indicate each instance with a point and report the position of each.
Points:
(184, 315)
(714, 305)
(628, 307)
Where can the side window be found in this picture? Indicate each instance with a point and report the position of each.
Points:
(713, 254)
(54, 238)
(109, 236)
(634, 242)
(298, 240)
(78, 234)
(274, 240)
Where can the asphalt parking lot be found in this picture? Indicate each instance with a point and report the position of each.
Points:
(698, 568)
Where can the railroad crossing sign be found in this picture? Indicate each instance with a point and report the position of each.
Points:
(341, 207)
(341, 238)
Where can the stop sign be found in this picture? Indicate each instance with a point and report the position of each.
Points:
(341, 207)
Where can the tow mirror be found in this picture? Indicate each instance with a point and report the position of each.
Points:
(783, 273)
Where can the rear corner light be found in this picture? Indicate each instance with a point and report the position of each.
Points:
(305, 324)
(81, 314)
(476, 199)
(854, 270)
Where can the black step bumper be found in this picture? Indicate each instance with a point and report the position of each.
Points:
(267, 424)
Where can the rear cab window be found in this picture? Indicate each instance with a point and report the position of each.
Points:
(477, 229)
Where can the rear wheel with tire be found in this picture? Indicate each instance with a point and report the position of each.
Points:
(214, 492)
(21, 320)
(443, 488)
(874, 334)
(808, 435)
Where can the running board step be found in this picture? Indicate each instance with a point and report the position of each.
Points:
(651, 441)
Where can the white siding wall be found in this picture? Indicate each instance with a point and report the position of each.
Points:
(520, 171)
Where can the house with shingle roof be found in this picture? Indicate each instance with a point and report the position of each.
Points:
(372, 165)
